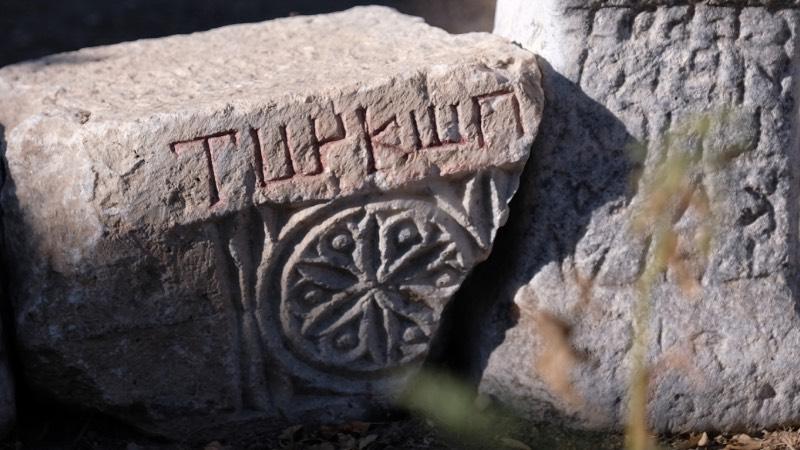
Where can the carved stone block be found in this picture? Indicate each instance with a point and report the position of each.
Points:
(620, 73)
(258, 220)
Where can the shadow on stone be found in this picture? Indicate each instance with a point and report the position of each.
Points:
(7, 394)
(579, 163)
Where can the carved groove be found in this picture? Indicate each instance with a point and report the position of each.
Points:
(290, 151)
(208, 149)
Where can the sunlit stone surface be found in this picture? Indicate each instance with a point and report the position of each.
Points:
(634, 72)
(256, 221)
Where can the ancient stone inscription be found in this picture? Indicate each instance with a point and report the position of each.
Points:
(260, 223)
(210, 147)
(310, 146)
(349, 288)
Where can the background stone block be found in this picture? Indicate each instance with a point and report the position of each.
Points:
(619, 73)
(257, 221)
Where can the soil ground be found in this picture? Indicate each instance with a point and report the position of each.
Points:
(65, 429)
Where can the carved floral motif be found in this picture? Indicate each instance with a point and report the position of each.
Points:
(361, 291)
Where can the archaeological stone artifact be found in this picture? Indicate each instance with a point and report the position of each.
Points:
(715, 79)
(262, 220)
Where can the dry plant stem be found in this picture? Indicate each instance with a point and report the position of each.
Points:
(637, 434)
(670, 182)
(670, 191)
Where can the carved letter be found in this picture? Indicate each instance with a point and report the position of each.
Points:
(425, 121)
(498, 112)
(448, 123)
(210, 147)
(303, 147)
(273, 153)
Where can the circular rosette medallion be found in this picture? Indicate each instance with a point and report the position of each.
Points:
(364, 288)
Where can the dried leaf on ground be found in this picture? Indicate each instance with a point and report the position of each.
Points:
(691, 442)
(744, 442)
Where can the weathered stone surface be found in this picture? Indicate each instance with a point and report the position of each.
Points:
(261, 220)
(627, 72)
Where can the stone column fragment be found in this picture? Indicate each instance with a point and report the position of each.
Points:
(257, 221)
(715, 79)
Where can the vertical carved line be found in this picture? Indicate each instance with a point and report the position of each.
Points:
(477, 114)
(315, 145)
(205, 142)
(434, 127)
(233, 306)
(258, 159)
(361, 114)
(239, 243)
(457, 123)
(415, 130)
(274, 387)
(737, 33)
(518, 116)
(247, 247)
(287, 152)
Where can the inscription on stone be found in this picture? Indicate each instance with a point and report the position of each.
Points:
(713, 78)
(210, 148)
(273, 237)
(309, 146)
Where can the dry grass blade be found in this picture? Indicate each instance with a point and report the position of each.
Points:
(557, 358)
(667, 193)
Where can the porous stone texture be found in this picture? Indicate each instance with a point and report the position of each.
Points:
(262, 220)
(618, 73)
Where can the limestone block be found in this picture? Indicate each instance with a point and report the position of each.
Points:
(256, 221)
(618, 73)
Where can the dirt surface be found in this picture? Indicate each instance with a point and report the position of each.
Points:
(90, 431)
